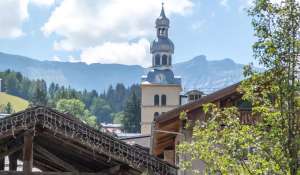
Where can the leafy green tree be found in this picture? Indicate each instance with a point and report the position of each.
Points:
(101, 109)
(132, 114)
(8, 109)
(118, 118)
(271, 146)
(76, 108)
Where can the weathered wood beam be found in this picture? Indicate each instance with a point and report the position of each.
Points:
(11, 150)
(43, 166)
(13, 158)
(28, 153)
(82, 151)
(54, 158)
(12, 145)
(49, 173)
(112, 170)
(2, 163)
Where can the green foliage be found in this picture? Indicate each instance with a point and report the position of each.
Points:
(17, 102)
(271, 146)
(118, 118)
(104, 106)
(132, 114)
(227, 146)
(7, 109)
(102, 109)
(76, 108)
(40, 93)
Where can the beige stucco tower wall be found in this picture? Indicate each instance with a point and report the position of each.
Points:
(148, 108)
(160, 88)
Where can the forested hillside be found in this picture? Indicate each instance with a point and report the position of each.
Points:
(107, 106)
(198, 72)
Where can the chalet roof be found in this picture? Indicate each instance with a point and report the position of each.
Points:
(198, 103)
(167, 125)
(63, 143)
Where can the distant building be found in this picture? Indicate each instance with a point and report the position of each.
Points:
(136, 139)
(2, 115)
(113, 128)
(194, 95)
(172, 130)
(160, 88)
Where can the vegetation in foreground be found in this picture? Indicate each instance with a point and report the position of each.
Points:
(272, 145)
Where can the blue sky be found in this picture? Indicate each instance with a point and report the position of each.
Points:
(120, 31)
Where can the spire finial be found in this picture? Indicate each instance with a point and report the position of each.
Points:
(162, 13)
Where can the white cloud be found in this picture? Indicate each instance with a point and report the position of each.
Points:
(42, 2)
(88, 23)
(12, 14)
(69, 58)
(135, 53)
(224, 3)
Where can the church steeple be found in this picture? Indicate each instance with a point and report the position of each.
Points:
(164, 96)
(162, 48)
(162, 24)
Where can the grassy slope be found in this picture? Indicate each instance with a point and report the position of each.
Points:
(17, 102)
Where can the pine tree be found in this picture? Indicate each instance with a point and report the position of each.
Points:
(40, 93)
(132, 114)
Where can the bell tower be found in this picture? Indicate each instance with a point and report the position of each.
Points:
(160, 88)
(162, 48)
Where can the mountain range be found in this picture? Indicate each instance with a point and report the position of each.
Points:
(197, 73)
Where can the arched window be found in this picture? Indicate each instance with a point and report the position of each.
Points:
(156, 100)
(157, 59)
(170, 60)
(156, 114)
(163, 100)
(164, 60)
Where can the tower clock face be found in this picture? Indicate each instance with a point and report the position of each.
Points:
(160, 77)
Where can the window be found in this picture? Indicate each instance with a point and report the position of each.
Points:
(156, 100)
(191, 97)
(164, 60)
(170, 60)
(157, 59)
(161, 31)
(163, 100)
(156, 114)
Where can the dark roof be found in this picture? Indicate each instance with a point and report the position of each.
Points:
(134, 137)
(161, 77)
(198, 103)
(81, 146)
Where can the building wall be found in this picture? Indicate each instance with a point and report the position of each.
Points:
(147, 105)
(143, 141)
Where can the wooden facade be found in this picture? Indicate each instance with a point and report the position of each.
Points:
(59, 144)
(168, 129)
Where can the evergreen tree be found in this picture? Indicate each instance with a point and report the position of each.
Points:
(132, 114)
(102, 110)
(40, 93)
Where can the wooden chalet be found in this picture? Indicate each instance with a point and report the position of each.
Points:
(168, 129)
(60, 144)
